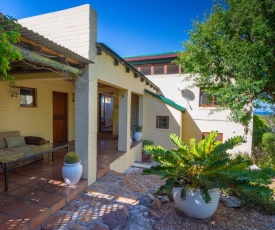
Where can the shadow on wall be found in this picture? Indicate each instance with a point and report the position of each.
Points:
(153, 107)
(189, 129)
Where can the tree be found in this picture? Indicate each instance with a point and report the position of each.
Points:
(231, 53)
(7, 37)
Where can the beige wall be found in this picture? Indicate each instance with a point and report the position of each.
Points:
(35, 121)
(154, 107)
(198, 119)
(75, 28)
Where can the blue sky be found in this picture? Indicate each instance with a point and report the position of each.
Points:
(129, 27)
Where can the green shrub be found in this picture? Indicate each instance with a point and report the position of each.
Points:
(71, 158)
(268, 142)
(252, 199)
(260, 127)
(147, 142)
(206, 165)
(138, 128)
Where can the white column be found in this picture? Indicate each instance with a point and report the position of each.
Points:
(86, 123)
(124, 120)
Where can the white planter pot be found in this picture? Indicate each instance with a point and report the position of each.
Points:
(72, 173)
(137, 136)
(194, 206)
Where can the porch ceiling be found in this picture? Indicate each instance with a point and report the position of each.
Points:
(36, 43)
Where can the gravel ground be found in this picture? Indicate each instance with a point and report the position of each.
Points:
(223, 218)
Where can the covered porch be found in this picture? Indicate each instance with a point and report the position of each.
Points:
(37, 190)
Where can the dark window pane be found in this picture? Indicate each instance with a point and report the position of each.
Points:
(172, 69)
(162, 122)
(159, 69)
(146, 70)
(27, 97)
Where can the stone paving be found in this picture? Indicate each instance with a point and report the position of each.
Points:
(116, 201)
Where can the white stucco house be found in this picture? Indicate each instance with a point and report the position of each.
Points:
(95, 92)
(197, 121)
(81, 92)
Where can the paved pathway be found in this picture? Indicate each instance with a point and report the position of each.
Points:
(103, 205)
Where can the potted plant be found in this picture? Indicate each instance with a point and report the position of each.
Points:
(145, 156)
(138, 133)
(195, 174)
(72, 168)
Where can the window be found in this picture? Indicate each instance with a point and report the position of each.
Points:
(207, 100)
(134, 111)
(162, 122)
(27, 97)
(158, 69)
(146, 70)
(172, 69)
(218, 138)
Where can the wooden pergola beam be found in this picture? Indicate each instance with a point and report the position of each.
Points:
(35, 58)
(49, 51)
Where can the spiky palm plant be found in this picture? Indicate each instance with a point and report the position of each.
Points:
(207, 165)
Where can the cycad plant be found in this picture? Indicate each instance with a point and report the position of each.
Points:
(207, 165)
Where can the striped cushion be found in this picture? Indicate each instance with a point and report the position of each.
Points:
(15, 141)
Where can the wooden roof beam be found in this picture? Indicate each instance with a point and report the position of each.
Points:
(35, 58)
(47, 50)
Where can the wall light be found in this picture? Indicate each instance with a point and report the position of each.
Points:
(14, 91)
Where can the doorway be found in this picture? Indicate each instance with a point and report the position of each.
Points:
(106, 113)
(59, 117)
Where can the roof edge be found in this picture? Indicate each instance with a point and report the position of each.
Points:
(166, 101)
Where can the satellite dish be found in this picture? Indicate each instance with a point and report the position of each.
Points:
(188, 95)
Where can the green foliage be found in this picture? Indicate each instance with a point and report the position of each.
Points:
(260, 127)
(71, 158)
(147, 142)
(268, 142)
(232, 54)
(138, 128)
(206, 165)
(7, 53)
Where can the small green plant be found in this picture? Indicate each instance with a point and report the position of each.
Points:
(138, 128)
(147, 142)
(207, 165)
(71, 158)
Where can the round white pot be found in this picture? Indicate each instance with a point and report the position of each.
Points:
(72, 173)
(194, 206)
(137, 136)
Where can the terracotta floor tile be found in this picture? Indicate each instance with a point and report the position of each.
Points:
(21, 191)
(16, 206)
(11, 186)
(5, 200)
(35, 195)
(15, 223)
(3, 217)
(35, 213)
(50, 199)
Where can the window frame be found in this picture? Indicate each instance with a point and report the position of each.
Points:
(213, 101)
(158, 122)
(33, 94)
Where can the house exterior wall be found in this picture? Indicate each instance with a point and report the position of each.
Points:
(197, 119)
(36, 121)
(154, 107)
(75, 28)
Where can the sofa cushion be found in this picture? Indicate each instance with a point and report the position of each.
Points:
(3, 135)
(15, 141)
